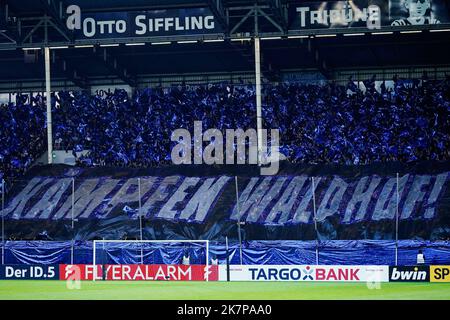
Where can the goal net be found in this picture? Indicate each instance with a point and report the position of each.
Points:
(151, 260)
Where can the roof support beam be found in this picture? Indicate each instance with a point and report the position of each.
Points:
(50, 10)
(279, 14)
(6, 30)
(32, 31)
(321, 64)
(217, 9)
(70, 71)
(249, 13)
(4, 35)
(263, 14)
(114, 66)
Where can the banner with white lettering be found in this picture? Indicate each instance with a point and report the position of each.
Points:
(346, 203)
(139, 272)
(29, 272)
(370, 14)
(132, 24)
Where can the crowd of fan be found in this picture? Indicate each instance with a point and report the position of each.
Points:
(317, 123)
(22, 135)
(324, 124)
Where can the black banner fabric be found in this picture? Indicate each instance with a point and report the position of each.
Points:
(200, 202)
(409, 274)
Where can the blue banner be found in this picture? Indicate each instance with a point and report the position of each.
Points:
(257, 252)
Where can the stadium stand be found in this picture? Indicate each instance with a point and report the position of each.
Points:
(21, 136)
(318, 123)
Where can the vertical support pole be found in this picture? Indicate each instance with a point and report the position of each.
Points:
(72, 218)
(45, 29)
(94, 260)
(239, 220)
(71, 252)
(73, 202)
(315, 219)
(103, 260)
(140, 219)
(49, 107)
(396, 223)
(207, 260)
(3, 221)
(228, 258)
(258, 90)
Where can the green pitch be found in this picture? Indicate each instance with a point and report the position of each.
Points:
(156, 290)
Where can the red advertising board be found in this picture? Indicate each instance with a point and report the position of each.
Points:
(137, 272)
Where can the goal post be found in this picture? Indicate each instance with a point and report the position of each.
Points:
(142, 246)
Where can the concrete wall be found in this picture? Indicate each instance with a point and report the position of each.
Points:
(60, 157)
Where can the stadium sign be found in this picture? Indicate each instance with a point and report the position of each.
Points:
(134, 272)
(305, 273)
(134, 24)
(409, 274)
(440, 273)
(29, 272)
(368, 14)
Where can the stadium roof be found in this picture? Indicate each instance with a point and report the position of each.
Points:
(128, 63)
